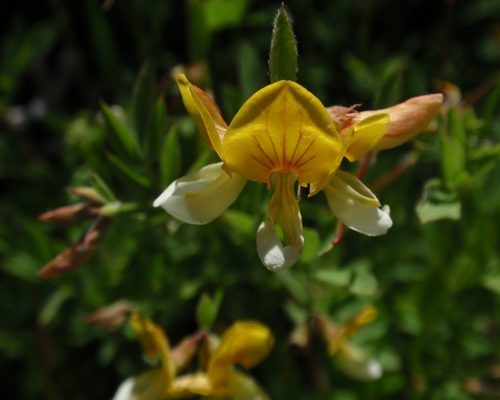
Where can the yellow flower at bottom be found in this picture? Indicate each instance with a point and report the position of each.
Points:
(245, 343)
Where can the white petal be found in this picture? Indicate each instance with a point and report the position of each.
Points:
(271, 251)
(202, 196)
(356, 206)
(125, 390)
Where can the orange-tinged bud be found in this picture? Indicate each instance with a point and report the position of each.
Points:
(406, 119)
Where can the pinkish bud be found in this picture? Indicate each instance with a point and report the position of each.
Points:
(184, 351)
(68, 214)
(78, 253)
(112, 316)
(407, 119)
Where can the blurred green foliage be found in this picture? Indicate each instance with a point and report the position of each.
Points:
(87, 99)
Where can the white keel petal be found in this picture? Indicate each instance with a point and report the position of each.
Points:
(272, 253)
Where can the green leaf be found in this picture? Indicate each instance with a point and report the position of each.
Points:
(453, 157)
(143, 102)
(207, 310)
(360, 74)
(483, 159)
(221, 14)
(295, 285)
(252, 75)
(240, 222)
(22, 265)
(486, 151)
(200, 35)
(54, 304)
(389, 92)
(295, 312)
(120, 137)
(283, 54)
(437, 202)
(336, 277)
(491, 281)
(363, 282)
(202, 160)
(170, 158)
(156, 132)
(356, 277)
(456, 126)
(103, 44)
(311, 246)
(102, 188)
(491, 108)
(129, 171)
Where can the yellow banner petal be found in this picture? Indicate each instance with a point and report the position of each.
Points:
(283, 128)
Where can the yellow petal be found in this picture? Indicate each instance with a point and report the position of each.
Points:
(283, 128)
(204, 112)
(154, 343)
(366, 134)
(245, 343)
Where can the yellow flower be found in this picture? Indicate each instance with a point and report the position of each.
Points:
(245, 343)
(282, 136)
(349, 357)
